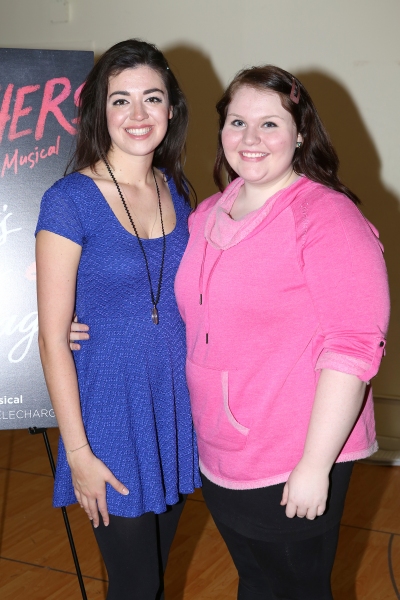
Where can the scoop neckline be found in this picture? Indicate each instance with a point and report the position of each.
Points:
(115, 218)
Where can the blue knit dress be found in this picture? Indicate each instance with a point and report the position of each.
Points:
(131, 373)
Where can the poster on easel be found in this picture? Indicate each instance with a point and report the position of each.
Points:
(39, 93)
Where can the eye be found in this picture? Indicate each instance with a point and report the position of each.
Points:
(154, 100)
(120, 102)
(269, 124)
(238, 123)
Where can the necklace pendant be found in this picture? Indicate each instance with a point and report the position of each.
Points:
(154, 315)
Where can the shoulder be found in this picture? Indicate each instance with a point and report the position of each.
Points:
(317, 198)
(182, 206)
(322, 206)
(200, 214)
(65, 207)
(72, 195)
(208, 203)
(74, 191)
(68, 185)
(326, 216)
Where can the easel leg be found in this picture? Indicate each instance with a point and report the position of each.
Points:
(34, 431)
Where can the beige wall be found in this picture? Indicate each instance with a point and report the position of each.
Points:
(347, 52)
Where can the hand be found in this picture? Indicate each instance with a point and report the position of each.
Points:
(77, 332)
(89, 478)
(306, 491)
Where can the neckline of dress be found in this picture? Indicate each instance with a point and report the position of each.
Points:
(115, 218)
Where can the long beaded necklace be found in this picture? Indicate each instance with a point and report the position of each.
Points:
(154, 298)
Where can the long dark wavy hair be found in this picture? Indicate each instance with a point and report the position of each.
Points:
(93, 140)
(316, 158)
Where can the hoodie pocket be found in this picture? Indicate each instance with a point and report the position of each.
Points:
(213, 419)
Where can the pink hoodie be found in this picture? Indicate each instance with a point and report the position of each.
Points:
(268, 301)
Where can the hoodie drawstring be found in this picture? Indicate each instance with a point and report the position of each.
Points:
(201, 278)
(203, 299)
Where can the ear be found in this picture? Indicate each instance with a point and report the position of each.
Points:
(171, 112)
(300, 138)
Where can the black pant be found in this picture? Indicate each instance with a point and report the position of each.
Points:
(135, 552)
(286, 570)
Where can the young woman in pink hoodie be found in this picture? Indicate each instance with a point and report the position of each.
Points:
(284, 293)
(283, 290)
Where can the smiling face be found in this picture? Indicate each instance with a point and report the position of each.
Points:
(259, 138)
(137, 111)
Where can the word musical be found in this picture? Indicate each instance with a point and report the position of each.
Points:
(11, 400)
(20, 160)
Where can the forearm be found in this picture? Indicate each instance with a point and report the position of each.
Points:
(61, 379)
(337, 404)
(89, 474)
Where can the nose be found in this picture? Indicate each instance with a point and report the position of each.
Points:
(251, 136)
(138, 111)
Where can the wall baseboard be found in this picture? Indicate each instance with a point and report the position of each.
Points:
(387, 458)
(387, 416)
(389, 399)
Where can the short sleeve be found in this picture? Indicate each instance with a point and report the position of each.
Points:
(59, 213)
(343, 265)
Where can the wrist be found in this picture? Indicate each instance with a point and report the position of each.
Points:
(82, 452)
(315, 463)
(76, 449)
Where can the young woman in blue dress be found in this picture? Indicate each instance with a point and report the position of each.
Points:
(110, 238)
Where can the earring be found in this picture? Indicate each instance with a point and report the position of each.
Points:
(299, 144)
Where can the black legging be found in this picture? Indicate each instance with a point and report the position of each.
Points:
(287, 570)
(135, 552)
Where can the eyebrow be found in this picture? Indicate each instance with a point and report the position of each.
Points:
(124, 93)
(152, 91)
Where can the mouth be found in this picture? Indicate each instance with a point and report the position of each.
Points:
(139, 131)
(253, 154)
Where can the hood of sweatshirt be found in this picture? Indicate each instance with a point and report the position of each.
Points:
(223, 232)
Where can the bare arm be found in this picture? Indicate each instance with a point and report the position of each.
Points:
(57, 260)
(337, 404)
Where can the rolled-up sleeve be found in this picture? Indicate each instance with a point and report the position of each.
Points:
(344, 269)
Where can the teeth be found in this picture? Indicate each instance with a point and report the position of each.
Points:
(141, 131)
(254, 154)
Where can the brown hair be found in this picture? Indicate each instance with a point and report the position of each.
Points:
(316, 158)
(93, 140)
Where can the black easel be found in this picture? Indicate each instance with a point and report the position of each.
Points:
(34, 431)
